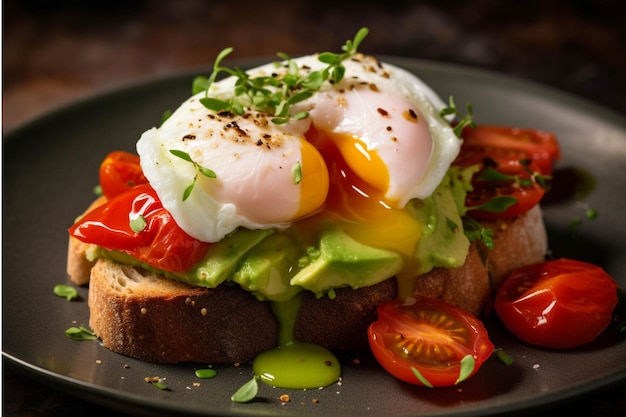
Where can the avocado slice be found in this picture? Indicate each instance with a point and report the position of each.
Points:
(266, 269)
(342, 261)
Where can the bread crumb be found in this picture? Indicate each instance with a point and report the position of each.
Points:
(315, 400)
(203, 311)
(236, 364)
(196, 384)
(144, 310)
(285, 398)
(151, 379)
(98, 361)
(126, 366)
(187, 300)
(356, 361)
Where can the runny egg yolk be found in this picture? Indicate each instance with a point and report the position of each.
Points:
(356, 196)
(313, 179)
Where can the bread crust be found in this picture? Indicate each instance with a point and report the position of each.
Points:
(142, 315)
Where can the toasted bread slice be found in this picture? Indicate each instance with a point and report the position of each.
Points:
(143, 315)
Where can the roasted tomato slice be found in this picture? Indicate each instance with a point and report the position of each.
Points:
(504, 187)
(557, 304)
(425, 341)
(120, 171)
(538, 146)
(136, 223)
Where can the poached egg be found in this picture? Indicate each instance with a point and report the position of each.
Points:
(371, 143)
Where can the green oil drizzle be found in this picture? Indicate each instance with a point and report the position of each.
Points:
(294, 364)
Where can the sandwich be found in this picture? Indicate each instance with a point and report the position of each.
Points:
(287, 202)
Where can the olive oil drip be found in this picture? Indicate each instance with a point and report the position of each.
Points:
(294, 364)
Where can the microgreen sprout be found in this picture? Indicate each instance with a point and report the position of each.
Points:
(138, 224)
(504, 357)
(65, 291)
(160, 384)
(206, 373)
(296, 173)
(275, 94)
(80, 333)
(467, 120)
(421, 378)
(247, 391)
(476, 232)
(199, 168)
(468, 364)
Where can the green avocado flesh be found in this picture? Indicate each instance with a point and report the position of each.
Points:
(276, 265)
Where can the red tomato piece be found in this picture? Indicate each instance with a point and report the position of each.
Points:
(430, 338)
(519, 183)
(120, 171)
(557, 304)
(538, 146)
(160, 242)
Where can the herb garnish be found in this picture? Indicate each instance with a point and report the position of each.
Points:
(476, 232)
(466, 120)
(80, 333)
(504, 357)
(296, 173)
(199, 168)
(275, 94)
(65, 291)
(138, 223)
(206, 373)
(247, 392)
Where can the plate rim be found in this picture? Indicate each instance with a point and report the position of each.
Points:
(600, 111)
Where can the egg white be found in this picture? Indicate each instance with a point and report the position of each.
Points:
(254, 185)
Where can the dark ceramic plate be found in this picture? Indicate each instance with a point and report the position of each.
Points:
(50, 168)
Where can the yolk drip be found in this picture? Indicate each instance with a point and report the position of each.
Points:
(359, 205)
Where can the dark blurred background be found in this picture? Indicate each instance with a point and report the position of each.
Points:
(58, 51)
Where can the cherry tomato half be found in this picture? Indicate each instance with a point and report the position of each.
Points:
(538, 146)
(120, 171)
(561, 303)
(159, 242)
(425, 341)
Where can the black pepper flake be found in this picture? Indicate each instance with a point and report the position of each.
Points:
(412, 113)
(389, 128)
(226, 113)
(382, 112)
(259, 142)
(328, 363)
(373, 87)
(189, 137)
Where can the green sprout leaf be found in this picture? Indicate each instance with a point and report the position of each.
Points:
(206, 373)
(421, 378)
(247, 392)
(497, 204)
(476, 232)
(65, 291)
(296, 173)
(138, 224)
(464, 121)
(504, 357)
(468, 364)
(160, 384)
(276, 94)
(209, 173)
(80, 333)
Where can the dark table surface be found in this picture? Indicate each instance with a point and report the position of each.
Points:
(57, 52)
